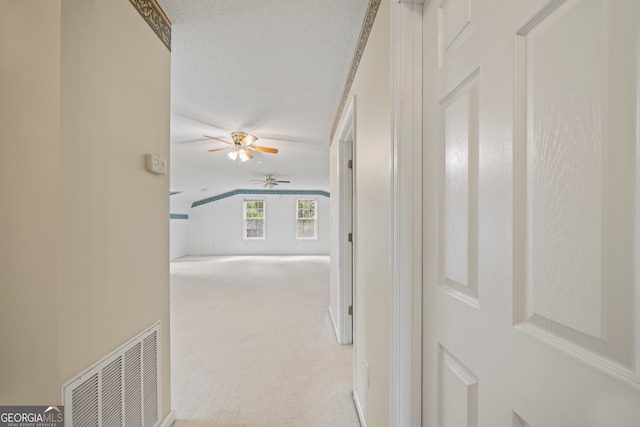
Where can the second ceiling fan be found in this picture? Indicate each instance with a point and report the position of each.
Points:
(270, 181)
(241, 146)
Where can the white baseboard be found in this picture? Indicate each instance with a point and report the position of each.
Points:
(169, 419)
(356, 399)
(333, 321)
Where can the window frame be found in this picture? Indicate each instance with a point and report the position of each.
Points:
(315, 218)
(263, 219)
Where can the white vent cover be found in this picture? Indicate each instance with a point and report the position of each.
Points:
(120, 390)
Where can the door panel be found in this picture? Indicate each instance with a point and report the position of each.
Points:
(575, 180)
(531, 189)
(460, 193)
(457, 393)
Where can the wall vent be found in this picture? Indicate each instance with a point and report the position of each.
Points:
(120, 390)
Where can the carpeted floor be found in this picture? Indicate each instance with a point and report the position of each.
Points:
(252, 344)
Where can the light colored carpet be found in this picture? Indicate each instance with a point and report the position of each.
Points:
(252, 344)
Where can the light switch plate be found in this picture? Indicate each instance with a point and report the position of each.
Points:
(155, 164)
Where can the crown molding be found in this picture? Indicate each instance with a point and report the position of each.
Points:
(370, 17)
(155, 17)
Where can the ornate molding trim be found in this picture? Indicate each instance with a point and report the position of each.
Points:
(370, 17)
(155, 18)
(238, 192)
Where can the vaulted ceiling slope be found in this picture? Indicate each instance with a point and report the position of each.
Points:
(271, 68)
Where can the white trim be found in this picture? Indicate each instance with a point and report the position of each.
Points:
(346, 213)
(169, 419)
(405, 290)
(356, 400)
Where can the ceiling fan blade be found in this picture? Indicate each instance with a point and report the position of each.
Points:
(219, 149)
(218, 139)
(249, 139)
(249, 155)
(263, 149)
(284, 182)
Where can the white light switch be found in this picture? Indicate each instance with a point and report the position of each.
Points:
(155, 164)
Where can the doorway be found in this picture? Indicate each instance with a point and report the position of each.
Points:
(346, 194)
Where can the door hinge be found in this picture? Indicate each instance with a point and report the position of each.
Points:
(350, 238)
(350, 165)
(350, 310)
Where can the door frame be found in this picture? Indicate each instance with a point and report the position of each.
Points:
(346, 212)
(405, 281)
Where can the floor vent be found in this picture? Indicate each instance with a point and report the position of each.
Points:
(120, 390)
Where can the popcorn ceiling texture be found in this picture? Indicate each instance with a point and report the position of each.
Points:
(277, 65)
(275, 69)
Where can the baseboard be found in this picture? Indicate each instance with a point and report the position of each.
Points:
(356, 399)
(333, 322)
(169, 419)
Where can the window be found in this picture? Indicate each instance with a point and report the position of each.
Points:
(306, 212)
(254, 219)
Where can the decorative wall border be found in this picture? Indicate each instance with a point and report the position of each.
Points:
(178, 216)
(370, 17)
(280, 192)
(155, 18)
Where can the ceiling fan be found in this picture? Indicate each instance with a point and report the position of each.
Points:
(270, 181)
(241, 146)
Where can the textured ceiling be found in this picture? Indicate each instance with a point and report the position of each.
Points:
(274, 69)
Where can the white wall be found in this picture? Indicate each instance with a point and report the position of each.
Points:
(179, 228)
(372, 144)
(179, 238)
(215, 228)
(86, 235)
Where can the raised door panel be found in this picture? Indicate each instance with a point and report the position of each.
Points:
(459, 217)
(454, 19)
(458, 393)
(575, 169)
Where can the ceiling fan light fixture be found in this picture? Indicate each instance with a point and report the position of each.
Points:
(243, 154)
(242, 143)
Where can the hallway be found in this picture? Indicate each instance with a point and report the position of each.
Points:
(252, 344)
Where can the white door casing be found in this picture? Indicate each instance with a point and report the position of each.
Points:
(346, 196)
(405, 220)
(531, 213)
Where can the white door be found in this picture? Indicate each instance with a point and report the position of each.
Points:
(532, 213)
